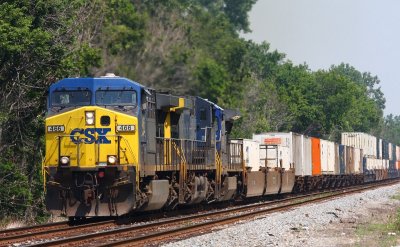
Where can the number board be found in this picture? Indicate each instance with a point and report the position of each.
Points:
(55, 128)
(126, 128)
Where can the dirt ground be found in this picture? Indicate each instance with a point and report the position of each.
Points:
(377, 224)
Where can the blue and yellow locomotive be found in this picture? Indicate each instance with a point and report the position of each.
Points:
(114, 146)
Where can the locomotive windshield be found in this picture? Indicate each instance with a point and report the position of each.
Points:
(116, 97)
(70, 98)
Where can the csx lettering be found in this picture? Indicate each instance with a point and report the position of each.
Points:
(90, 137)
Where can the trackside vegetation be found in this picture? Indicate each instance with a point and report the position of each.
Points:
(180, 46)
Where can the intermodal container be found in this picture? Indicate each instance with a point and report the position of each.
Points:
(358, 159)
(328, 157)
(364, 164)
(372, 164)
(361, 140)
(337, 159)
(392, 164)
(378, 148)
(386, 164)
(349, 160)
(385, 150)
(316, 156)
(306, 155)
(397, 153)
(299, 149)
(274, 156)
(342, 159)
(251, 153)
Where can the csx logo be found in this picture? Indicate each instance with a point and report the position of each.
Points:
(89, 134)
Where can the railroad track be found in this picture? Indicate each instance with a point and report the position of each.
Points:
(107, 233)
(31, 229)
(51, 230)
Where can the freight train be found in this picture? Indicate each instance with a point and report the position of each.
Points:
(114, 146)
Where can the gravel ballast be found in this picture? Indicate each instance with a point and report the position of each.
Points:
(330, 223)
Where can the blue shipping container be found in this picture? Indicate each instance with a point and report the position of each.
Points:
(342, 159)
(378, 152)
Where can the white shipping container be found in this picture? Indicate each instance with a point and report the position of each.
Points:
(299, 149)
(251, 153)
(361, 140)
(398, 153)
(373, 163)
(306, 160)
(385, 164)
(337, 160)
(358, 160)
(379, 149)
(328, 157)
(284, 157)
(272, 156)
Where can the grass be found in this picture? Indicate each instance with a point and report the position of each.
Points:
(395, 197)
(377, 234)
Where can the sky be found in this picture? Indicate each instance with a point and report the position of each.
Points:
(362, 33)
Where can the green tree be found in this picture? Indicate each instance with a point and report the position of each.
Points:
(391, 129)
(40, 43)
(366, 79)
(238, 13)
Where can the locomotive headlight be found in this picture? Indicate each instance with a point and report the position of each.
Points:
(64, 160)
(111, 159)
(89, 117)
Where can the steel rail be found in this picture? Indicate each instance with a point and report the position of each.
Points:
(45, 229)
(16, 230)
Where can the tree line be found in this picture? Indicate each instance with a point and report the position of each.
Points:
(181, 46)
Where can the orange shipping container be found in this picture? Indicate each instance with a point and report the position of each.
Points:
(316, 156)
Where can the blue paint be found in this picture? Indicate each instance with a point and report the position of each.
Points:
(385, 150)
(378, 153)
(218, 135)
(206, 113)
(203, 118)
(94, 84)
(89, 135)
(342, 159)
(364, 164)
(101, 83)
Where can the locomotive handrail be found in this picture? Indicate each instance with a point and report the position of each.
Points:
(176, 139)
(195, 153)
(129, 147)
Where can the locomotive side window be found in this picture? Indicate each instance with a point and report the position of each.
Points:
(70, 98)
(203, 114)
(116, 97)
